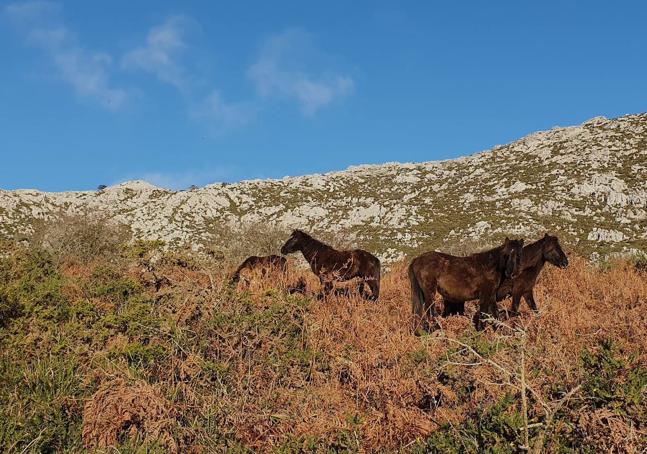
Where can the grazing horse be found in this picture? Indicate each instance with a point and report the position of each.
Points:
(331, 265)
(477, 276)
(265, 264)
(535, 255)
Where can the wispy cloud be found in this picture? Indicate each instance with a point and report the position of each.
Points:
(162, 57)
(288, 66)
(161, 53)
(280, 72)
(87, 71)
(220, 116)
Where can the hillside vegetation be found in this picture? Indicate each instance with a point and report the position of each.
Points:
(124, 346)
(585, 182)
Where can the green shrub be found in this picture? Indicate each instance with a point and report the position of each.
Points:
(613, 382)
(496, 429)
(610, 382)
(9, 308)
(31, 283)
(136, 317)
(108, 284)
(139, 354)
(44, 415)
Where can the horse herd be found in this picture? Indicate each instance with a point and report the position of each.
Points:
(489, 276)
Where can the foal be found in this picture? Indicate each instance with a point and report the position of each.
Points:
(265, 264)
(331, 265)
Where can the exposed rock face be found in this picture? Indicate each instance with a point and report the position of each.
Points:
(586, 183)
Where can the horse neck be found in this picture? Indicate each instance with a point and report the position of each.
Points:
(533, 254)
(311, 248)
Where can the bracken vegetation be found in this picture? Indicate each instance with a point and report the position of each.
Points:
(131, 348)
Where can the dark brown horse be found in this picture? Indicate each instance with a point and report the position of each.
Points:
(331, 265)
(265, 264)
(477, 276)
(535, 255)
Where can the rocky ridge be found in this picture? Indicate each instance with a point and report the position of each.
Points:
(586, 183)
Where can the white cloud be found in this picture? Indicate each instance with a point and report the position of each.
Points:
(280, 72)
(34, 11)
(220, 116)
(160, 55)
(288, 67)
(85, 70)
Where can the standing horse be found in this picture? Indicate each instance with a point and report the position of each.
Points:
(535, 255)
(265, 264)
(331, 265)
(477, 276)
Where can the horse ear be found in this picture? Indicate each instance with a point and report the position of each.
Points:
(507, 240)
(522, 240)
(546, 235)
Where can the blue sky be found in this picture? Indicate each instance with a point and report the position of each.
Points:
(183, 93)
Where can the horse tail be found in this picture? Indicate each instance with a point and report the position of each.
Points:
(417, 295)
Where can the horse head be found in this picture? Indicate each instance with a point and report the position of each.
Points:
(293, 243)
(553, 253)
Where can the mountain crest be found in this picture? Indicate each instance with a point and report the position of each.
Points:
(585, 183)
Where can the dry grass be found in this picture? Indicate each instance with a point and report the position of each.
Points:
(120, 410)
(194, 365)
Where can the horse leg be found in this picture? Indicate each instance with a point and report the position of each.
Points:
(453, 307)
(487, 305)
(516, 301)
(326, 287)
(361, 290)
(530, 299)
(374, 285)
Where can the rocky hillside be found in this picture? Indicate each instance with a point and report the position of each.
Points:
(587, 183)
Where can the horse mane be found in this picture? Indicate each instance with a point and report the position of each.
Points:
(487, 252)
(490, 255)
(533, 249)
(309, 241)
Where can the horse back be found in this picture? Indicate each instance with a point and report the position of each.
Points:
(439, 263)
(277, 261)
(460, 278)
(255, 261)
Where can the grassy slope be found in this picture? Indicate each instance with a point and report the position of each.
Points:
(93, 354)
